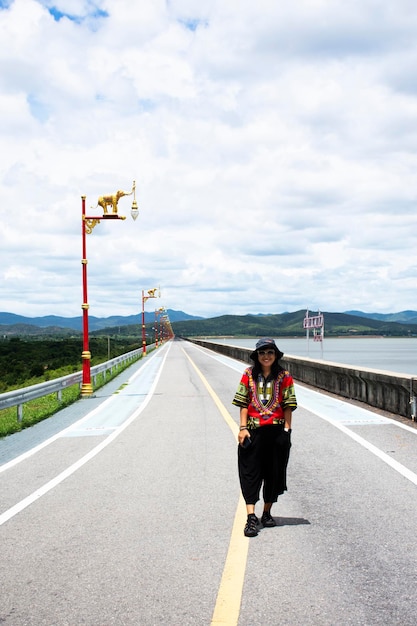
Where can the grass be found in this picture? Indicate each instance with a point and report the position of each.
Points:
(42, 408)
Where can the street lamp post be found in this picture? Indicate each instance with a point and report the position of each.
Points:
(158, 312)
(166, 331)
(87, 225)
(163, 328)
(151, 294)
(170, 332)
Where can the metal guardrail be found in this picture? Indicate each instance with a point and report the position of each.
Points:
(19, 397)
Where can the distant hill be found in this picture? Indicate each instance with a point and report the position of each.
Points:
(29, 330)
(406, 317)
(290, 325)
(53, 324)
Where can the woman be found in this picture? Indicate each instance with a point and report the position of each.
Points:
(266, 399)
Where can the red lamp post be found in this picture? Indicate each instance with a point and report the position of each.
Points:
(158, 313)
(87, 225)
(170, 332)
(163, 327)
(151, 294)
(166, 331)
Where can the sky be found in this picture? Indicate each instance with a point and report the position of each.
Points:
(273, 145)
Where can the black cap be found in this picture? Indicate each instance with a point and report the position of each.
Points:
(266, 342)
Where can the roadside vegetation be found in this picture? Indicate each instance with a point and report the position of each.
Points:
(28, 362)
(42, 408)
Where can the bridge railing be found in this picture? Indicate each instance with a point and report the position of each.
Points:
(19, 397)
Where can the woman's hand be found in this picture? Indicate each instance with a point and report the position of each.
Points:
(243, 434)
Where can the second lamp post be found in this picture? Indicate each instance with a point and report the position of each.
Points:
(151, 293)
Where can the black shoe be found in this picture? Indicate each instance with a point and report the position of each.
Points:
(267, 520)
(251, 528)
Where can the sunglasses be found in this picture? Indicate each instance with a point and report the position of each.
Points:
(266, 352)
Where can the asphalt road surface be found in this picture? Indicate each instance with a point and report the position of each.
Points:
(125, 509)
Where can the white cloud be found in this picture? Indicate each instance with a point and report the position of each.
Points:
(273, 147)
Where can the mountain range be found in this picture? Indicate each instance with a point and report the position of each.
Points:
(8, 320)
(291, 325)
(405, 317)
(402, 323)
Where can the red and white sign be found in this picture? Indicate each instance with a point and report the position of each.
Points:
(313, 322)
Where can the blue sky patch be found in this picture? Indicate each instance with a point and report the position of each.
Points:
(58, 15)
(192, 24)
(145, 104)
(38, 110)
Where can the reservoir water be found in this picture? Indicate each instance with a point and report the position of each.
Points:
(392, 354)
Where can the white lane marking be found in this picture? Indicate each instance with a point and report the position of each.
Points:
(23, 504)
(401, 469)
(92, 432)
(108, 417)
(75, 425)
(338, 404)
(338, 410)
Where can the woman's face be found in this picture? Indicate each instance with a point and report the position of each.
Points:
(266, 357)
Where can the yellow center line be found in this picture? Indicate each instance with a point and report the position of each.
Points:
(229, 596)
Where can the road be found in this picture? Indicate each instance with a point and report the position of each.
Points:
(125, 509)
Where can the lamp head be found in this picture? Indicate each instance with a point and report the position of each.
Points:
(134, 212)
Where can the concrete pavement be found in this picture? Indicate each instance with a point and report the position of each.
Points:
(132, 515)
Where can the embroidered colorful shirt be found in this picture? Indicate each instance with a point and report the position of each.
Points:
(265, 399)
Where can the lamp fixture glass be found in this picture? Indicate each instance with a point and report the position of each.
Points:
(134, 212)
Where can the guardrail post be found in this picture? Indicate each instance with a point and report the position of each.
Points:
(413, 402)
(19, 412)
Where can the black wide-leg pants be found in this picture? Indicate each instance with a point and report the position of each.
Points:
(264, 461)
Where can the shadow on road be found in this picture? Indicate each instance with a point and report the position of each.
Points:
(291, 521)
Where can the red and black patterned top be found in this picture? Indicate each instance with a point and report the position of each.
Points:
(265, 399)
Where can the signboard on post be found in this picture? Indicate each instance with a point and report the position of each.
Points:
(313, 322)
(316, 324)
(318, 334)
